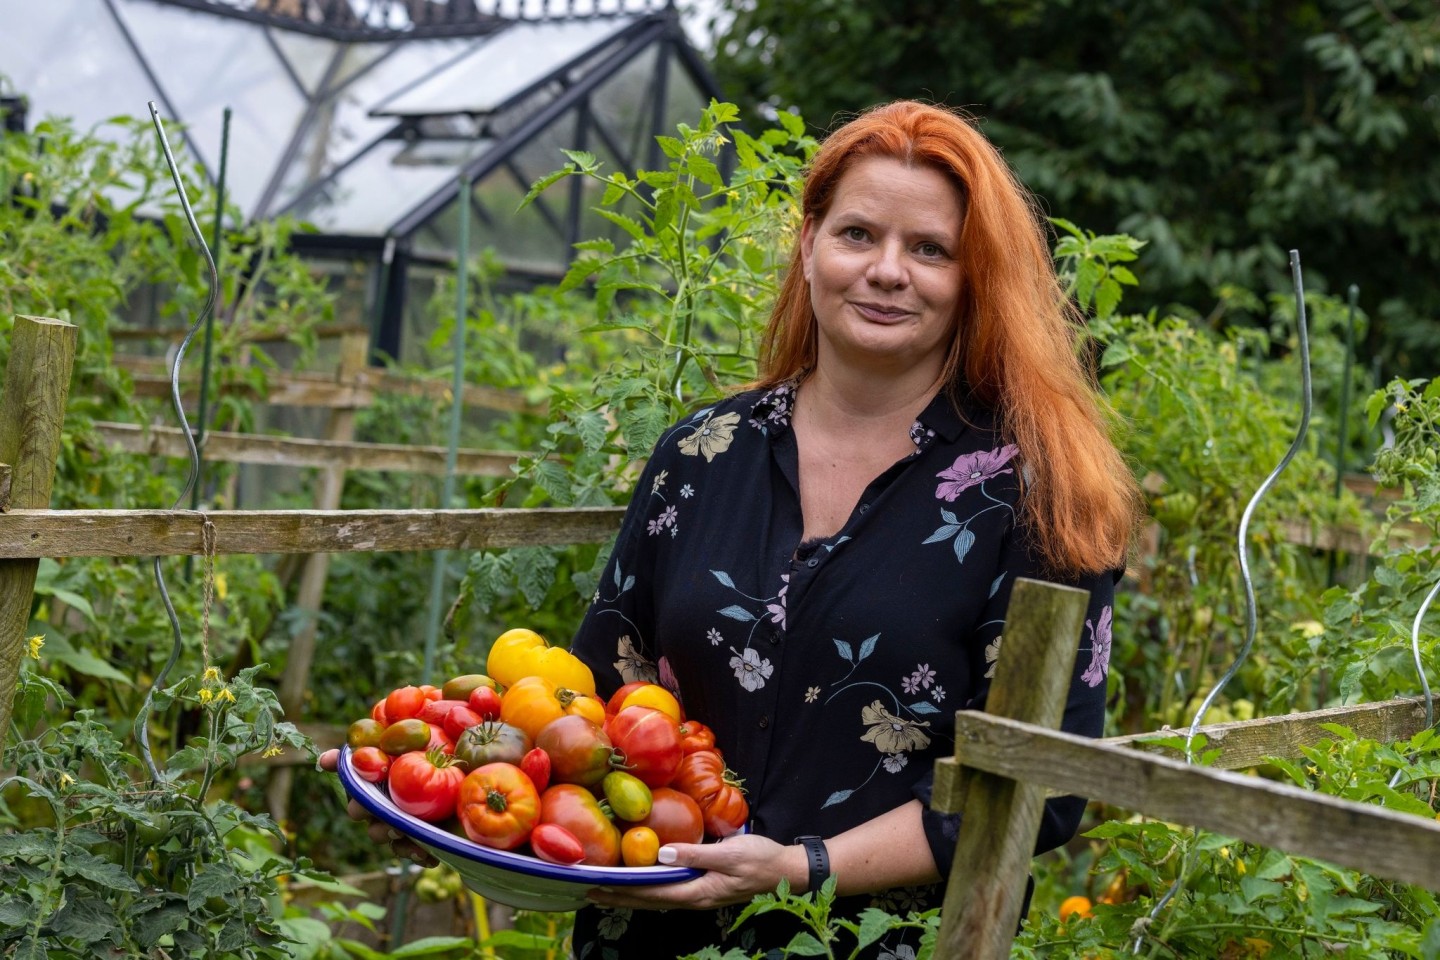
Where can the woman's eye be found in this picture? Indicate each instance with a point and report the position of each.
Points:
(931, 250)
(855, 233)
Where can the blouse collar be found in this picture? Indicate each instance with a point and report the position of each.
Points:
(771, 415)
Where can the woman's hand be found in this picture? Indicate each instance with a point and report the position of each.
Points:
(737, 869)
(379, 832)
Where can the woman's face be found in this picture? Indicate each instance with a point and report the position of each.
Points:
(883, 268)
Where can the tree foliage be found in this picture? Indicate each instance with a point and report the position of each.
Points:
(1224, 134)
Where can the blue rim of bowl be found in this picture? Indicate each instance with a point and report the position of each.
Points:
(416, 829)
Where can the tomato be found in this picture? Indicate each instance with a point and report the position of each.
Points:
(364, 733)
(460, 688)
(492, 742)
(700, 776)
(459, 719)
(536, 766)
(440, 740)
(628, 796)
(431, 692)
(650, 742)
(435, 711)
(554, 843)
(655, 696)
(696, 736)
(498, 806)
(579, 751)
(404, 703)
(524, 653)
(612, 706)
(576, 809)
(639, 847)
(530, 704)
(486, 702)
(674, 817)
(403, 736)
(370, 764)
(726, 812)
(577, 704)
(426, 785)
(377, 713)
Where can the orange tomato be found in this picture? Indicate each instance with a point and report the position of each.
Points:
(639, 847)
(580, 705)
(530, 704)
(657, 698)
(1076, 906)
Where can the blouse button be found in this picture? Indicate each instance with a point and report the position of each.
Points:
(764, 722)
(775, 637)
(864, 507)
(812, 562)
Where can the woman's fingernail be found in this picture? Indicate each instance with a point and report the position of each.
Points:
(666, 855)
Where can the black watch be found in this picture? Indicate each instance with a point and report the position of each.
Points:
(817, 860)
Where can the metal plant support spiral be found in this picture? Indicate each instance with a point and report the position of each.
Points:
(1243, 545)
(142, 717)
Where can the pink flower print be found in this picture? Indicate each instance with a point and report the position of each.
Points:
(776, 608)
(1099, 649)
(972, 469)
(667, 677)
(910, 684)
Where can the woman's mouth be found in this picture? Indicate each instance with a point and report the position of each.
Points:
(881, 313)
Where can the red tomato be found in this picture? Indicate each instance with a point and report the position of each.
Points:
(554, 843)
(406, 735)
(370, 764)
(425, 785)
(435, 711)
(696, 736)
(726, 812)
(377, 713)
(440, 740)
(579, 751)
(498, 806)
(576, 809)
(612, 706)
(486, 702)
(431, 691)
(536, 766)
(459, 719)
(650, 742)
(674, 817)
(700, 776)
(404, 703)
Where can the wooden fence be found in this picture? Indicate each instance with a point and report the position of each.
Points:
(1007, 758)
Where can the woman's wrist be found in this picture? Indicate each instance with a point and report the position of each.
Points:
(816, 863)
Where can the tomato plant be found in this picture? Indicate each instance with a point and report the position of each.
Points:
(498, 806)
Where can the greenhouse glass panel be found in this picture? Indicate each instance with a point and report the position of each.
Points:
(343, 126)
(206, 63)
(622, 106)
(521, 239)
(684, 103)
(501, 68)
(72, 61)
(308, 56)
(379, 188)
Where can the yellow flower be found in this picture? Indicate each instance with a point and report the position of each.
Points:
(889, 733)
(225, 694)
(66, 779)
(1240, 867)
(271, 751)
(212, 675)
(33, 646)
(206, 695)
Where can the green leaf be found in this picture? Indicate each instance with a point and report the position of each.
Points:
(1375, 405)
(584, 160)
(629, 224)
(704, 170)
(151, 926)
(88, 919)
(1430, 942)
(874, 924)
(429, 947)
(793, 124)
(674, 149)
(212, 880)
(642, 425)
(102, 872)
(15, 912)
(592, 428)
(804, 944)
(535, 573)
(552, 478)
(1107, 297)
(31, 949)
(82, 661)
(544, 183)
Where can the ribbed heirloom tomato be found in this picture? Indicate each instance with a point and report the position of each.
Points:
(425, 785)
(579, 751)
(576, 809)
(498, 806)
(650, 743)
(492, 742)
(704, 778)
(530, 704)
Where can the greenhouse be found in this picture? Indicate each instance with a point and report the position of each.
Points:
(362, 118)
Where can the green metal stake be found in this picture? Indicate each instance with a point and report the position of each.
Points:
(217, 237)
(462, 282)
(1344, 434)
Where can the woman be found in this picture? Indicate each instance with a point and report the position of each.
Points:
(819, 566)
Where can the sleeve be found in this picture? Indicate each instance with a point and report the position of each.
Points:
(617, 636)
(1084, 709)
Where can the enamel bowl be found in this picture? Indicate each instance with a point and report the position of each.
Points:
(514, 879)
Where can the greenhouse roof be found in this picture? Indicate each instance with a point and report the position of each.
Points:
(360, 116)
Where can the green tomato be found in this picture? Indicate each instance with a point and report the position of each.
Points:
(629, 798)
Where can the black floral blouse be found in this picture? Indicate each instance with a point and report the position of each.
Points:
(830, 671)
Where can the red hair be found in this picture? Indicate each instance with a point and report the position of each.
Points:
(1014, 349)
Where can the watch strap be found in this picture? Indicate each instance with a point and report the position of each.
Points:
(817, 861)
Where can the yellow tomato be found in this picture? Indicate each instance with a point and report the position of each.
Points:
(520, 653)
(577, 703)
(1075, 907)
(657, 697)
(639, 847)
(530, 703)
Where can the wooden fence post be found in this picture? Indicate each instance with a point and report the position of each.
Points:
(1000, 816)
(32, 412)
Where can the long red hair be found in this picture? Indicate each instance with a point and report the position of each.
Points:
(1014, 349)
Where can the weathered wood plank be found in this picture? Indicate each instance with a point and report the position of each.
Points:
(324, 331)
(31, 534)
(1001, 814)
(1246, 743)
(225, 447)
(1372, 839)
(32, 414)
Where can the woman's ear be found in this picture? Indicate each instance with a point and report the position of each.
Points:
(807, 244)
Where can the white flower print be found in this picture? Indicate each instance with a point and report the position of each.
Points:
(750, 668)
(659, 482)
(711, 437)
(812, 694)
(674, 532)
(937, 693)
(992, 656)
(614, 921)
(895, 762)
(776, 608)
(713, 636)
(687, 491)
(633, 665)
(1099, 648)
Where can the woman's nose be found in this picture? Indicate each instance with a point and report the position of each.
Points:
(887, 266)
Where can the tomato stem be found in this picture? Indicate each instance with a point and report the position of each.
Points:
(496, 801)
